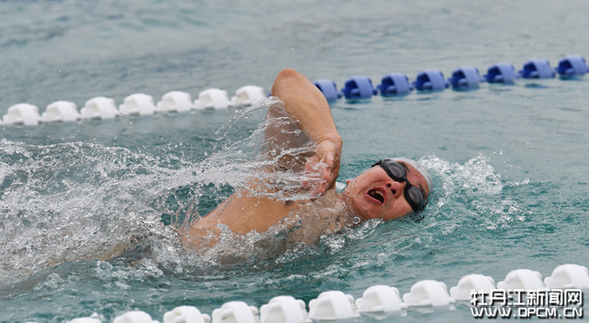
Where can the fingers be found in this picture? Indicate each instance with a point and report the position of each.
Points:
(322, 169)
(320, 176)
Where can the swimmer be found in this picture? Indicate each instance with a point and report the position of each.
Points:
(389, 189)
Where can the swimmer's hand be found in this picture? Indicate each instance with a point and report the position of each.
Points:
(308, 106)
(323, 167)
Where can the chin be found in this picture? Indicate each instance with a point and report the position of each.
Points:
(364, 210)
(367, 216)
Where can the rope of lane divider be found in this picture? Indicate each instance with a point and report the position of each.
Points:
(563, 289)
(357, 87)
(464, 77)
(141, 104)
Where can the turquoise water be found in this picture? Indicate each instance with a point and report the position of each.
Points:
(508, 162)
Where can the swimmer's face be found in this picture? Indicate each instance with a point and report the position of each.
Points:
(374, 195)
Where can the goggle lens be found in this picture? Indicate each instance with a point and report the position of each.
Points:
(396, 172)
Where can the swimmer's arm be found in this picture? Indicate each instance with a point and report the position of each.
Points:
(308, 106)
(244, 213)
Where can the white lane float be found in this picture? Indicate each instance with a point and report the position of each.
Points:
(236, 312)
(100, 108)
(92, 319)
(134, 317)
(568, 276)
(138, 104)
(186, 314)
(61, 111)
(333, 305)
(428, 293)
(284, 309)
(212, 99)
(522, 279)
(85, 320)
(247, 95)
(175, 101)
(380, 298)
(23, 113)
(463, 291)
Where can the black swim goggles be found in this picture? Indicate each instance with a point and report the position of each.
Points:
(397, 172)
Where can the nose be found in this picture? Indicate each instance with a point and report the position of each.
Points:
(396, 188)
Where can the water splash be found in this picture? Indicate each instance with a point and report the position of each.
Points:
(79, 200)
(472, 193)
(74, 201)
(471, 205)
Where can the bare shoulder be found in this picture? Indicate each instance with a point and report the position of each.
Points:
(303, 220)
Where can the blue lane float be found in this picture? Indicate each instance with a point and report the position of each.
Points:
(465, 77)
(537, 68)
(430, 80)
(328, 88)
(358, 87)
(572, 66)
(394, 84)
(501, 73)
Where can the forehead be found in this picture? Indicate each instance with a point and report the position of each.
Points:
(415, 178)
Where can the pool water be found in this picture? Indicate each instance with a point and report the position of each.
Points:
(508, 161)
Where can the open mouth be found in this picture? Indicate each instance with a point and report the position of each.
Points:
(377, 195)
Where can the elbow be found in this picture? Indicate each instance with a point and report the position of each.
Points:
(283, 79)
(287, 73)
